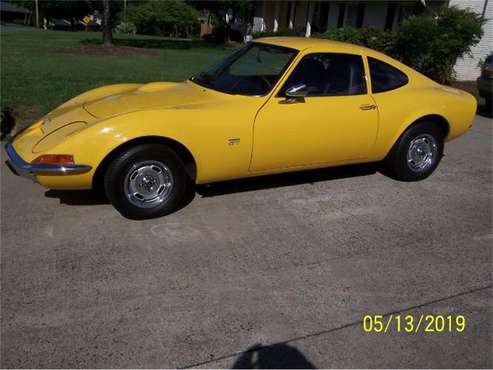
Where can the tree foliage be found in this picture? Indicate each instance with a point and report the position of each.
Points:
(281, 32)
(239, 10)
(429, 43)
(164, 18)
(432, 45)
(370, 37)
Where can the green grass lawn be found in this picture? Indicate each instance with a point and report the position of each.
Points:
(36, 76)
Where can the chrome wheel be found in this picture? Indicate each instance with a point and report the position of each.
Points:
(422, 153)
(148, 184)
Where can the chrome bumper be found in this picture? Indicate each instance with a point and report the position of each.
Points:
(28, 170)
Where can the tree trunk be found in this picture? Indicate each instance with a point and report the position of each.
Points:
(107, 35)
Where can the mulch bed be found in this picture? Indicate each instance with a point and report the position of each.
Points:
(104, 51)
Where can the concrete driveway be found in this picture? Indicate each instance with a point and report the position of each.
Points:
(273, 272)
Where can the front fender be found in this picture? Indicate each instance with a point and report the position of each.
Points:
(204, 135)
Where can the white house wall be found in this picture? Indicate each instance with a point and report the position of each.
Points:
(467, 68)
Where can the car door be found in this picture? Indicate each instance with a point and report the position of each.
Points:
(335, 122)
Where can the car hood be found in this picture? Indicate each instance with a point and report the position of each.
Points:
(156, 95)
(82, 112)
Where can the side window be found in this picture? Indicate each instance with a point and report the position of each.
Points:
(329, 74)
(384, 77)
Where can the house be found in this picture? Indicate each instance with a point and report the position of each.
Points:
(321, 15)
(468, 68)
(205, 20)
(12, 12)
(318, 16)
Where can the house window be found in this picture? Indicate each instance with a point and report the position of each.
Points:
(405, 11)
(322, 10)
(352, 16)
(355, 15)
(389, 20)
(340, 18)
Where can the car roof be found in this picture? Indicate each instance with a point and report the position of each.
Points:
(301, 43)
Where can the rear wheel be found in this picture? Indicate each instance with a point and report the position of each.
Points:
(417, 153)
(146, 181)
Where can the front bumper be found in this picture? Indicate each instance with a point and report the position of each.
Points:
(28, 170)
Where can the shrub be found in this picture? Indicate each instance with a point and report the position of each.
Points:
(376, 39)
(126, 27)
(281, 32)
(370, 37)
(164, 18)
(219, 30)
(428, 43)
(432, 45)
(349, 34)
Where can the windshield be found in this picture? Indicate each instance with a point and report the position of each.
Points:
(253, 69)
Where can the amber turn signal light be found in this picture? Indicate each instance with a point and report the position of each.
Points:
(54, 159)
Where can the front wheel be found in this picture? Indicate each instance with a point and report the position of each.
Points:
(146, 181)
(417, 153)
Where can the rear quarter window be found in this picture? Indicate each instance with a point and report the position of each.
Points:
(385, 77)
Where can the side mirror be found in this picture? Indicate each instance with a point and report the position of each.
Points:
(297, 91)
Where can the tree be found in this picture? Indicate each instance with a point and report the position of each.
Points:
(106, 26)
(432, 45)
(164, 18)
(240, 10)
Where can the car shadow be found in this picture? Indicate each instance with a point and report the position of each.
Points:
(276, 356)
(288, 179)
(485, 111)
(97, 197)
(94, 197)
(78, 197)
(7, 123)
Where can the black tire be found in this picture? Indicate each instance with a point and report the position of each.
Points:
(396, 163)
(143, 157)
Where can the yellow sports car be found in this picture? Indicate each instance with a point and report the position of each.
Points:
(275, 105)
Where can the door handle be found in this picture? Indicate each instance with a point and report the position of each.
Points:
(367, 106)
(292, 100)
